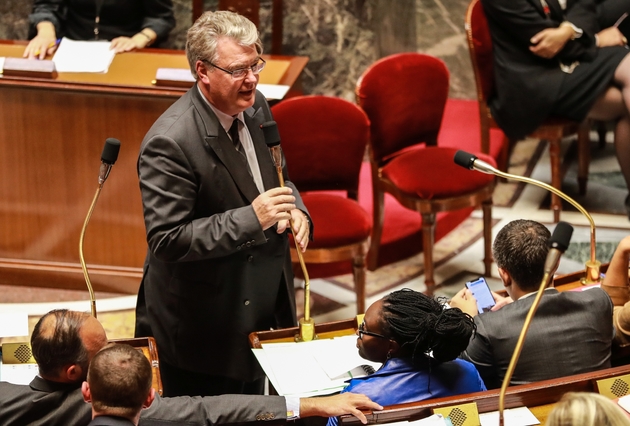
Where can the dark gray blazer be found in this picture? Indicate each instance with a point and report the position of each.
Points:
(570, 333)
(48, 403)
(211, 274)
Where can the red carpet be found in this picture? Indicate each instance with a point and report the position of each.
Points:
(402, 235)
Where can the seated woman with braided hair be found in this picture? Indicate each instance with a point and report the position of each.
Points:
(418, 342)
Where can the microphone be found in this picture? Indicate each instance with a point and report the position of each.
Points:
(557, 246)
(558, 243)
(272, 139)
(471, 162)
(108, 158)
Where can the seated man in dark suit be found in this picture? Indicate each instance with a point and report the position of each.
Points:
(118, 386)
(64, 342)
(571, 332)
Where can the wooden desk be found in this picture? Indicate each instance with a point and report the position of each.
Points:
(51, 137)
(326, 330)
(539, 397)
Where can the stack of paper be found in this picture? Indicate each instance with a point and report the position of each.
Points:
(83, 56)
(319, 367)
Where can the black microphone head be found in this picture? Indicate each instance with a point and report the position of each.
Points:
(464, 159)
(110, 151)
(270, 130)
(561, 236)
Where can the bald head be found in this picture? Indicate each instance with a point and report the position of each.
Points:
(64, 342)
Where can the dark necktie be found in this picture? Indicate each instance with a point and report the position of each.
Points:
(236, 140)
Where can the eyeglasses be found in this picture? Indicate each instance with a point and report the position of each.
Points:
(363, 331)
(241, 73)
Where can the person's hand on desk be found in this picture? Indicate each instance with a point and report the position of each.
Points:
(337, 405)
(43, 44)
(139, 41)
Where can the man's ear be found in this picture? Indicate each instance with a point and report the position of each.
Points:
(85, 391)
(505, 277)
(202, 72)
(74, 373)
(150, 398)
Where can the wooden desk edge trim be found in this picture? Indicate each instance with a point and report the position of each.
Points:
(531, 394)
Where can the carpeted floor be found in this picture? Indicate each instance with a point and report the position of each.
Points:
(458, 255)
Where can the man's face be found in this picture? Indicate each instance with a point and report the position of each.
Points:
(226, 94)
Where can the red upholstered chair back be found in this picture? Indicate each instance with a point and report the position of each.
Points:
(404, 97)
(480, 46)
(324, 140)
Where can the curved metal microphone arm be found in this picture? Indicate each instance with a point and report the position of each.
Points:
(592, 266)
(307, 324)
(86, 275)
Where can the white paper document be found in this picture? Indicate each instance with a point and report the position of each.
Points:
(13, 324)
(520, 416)
(318, 367)
(18, 374)
(273, 91)
(434, 420)
(83, 56)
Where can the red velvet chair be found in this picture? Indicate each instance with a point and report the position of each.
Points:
(553, 130)
(404, 97)
(324, 141)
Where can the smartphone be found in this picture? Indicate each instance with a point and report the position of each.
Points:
(481, 291)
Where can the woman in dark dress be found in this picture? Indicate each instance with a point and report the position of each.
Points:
(129, 24)
(560, 58)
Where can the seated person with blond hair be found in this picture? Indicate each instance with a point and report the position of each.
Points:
(586, 409)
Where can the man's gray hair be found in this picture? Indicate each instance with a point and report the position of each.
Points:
(203, 36)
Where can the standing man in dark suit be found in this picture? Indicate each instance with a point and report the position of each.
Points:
(218, 265)
(118, 386)
(571, 332)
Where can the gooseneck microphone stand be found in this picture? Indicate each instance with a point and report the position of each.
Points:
(307, 324)
(469, 161)
(108, 158)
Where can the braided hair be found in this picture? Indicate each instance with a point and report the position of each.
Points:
(426, 332)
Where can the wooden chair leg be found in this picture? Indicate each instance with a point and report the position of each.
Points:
(358, 271)
(486, 207)
(377, 228)
(556, 177)
(428, 239)
(584, 155)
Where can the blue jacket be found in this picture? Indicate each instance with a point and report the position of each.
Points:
(398, 381)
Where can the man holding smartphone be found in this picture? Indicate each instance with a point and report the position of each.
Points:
(571, 332)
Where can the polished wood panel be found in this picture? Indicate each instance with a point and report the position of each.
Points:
(51, 137)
